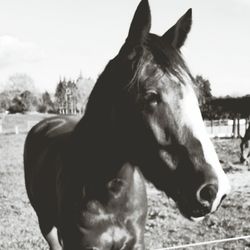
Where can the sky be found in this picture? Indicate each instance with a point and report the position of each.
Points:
(49, 39)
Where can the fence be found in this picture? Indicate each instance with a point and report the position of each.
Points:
(17, 129)
(19, 123)
(215, 128)
(226, 128)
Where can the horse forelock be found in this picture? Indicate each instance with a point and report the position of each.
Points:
(159, 59)
(157, 56)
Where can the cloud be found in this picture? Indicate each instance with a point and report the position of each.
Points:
(245, 2)
(13, 51)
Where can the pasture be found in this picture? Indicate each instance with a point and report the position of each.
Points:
(165, 226)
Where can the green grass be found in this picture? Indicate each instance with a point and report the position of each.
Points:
(165, 226)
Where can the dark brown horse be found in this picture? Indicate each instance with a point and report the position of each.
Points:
(245, 147)
(85, 179)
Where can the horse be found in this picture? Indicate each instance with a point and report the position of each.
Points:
(86, 178)
(245, 148)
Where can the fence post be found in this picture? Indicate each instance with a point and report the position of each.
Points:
(28, 126)
(219, 128)
(212, 124)
(16, 130)
(238, 127)
(234, 128)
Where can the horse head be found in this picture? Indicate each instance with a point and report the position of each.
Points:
(158, 113)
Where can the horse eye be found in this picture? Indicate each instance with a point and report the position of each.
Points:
(152, 98)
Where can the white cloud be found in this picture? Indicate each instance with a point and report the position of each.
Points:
(244, 2)
(13, 51)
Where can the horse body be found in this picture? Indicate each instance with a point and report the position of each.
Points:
(85, 179)
(113, 211)
(43, 148)
(245, 148)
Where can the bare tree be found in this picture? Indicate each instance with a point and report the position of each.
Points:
(20, 83)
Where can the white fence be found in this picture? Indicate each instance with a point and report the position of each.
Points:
(226, 128)
(19, 123)
(216, 128)
(17, 129)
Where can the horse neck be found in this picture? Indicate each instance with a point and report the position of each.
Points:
(96, 158)
(101, 140)
(97, 146)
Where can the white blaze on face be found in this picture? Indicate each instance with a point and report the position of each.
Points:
(191, 117)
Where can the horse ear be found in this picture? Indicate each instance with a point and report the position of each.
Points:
(178, 33)
(140, 25)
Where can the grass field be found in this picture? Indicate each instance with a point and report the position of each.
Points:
(165, 226)
(9, 123)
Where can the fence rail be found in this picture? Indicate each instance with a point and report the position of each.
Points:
(226, 128)
(17, 129)
(215, 128)
(19, 123)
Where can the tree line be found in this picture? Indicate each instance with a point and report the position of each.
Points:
(20, 95)
(227, 107)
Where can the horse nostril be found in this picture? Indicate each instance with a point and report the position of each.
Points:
(207, 194)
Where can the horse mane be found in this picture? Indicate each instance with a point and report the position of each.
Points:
(118, 77)
(168, 58)
(103, 92)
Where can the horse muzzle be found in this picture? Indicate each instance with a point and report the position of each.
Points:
(207, 200)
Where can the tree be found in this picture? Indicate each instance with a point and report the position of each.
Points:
(5, 101)
(60, 94)
(17, 106)
(20, 83)
(204, 89)
(29, 101)
(66, 97)
(24, 102)
(204, 96)
(6, 98)
(46, 104)
(19, 94)
(84, 86)
(232, 107)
